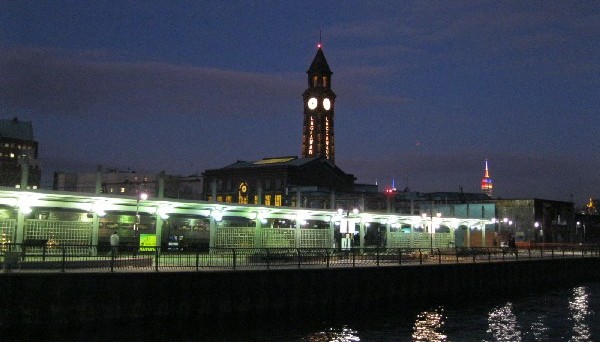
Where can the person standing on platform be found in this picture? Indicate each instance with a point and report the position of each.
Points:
(114, 243)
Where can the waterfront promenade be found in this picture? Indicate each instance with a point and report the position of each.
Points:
(17, 258)
(63, 288)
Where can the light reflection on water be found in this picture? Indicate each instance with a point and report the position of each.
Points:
(503, 325)
(579, 308)
(561, 315)
(429, 326)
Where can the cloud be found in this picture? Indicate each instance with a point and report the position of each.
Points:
(88, 84)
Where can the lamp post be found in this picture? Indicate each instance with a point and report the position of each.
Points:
(136, 226)
(431, 226)
(539, 225)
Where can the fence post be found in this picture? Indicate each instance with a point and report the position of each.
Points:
(529, 252)
(157, 256)
(353, 258)
(233, 250)
(489, 255)
(64, 256)
(420, 257)
(439, 256)
(327, 256)
(377, 251)
(399, 257)
(298, 256)
(197, 257)
(517, 253)
(268, 259)
(542, 253)
(474, 256)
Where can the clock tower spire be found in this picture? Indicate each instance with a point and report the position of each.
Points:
(319, 105)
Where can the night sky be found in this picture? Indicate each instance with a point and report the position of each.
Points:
(426, 91)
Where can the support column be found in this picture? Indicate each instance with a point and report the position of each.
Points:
(332, 241)
(258, 233)
(212, 232)
(159, 221)
(361, 235)
(483, 242)
(387, 235)
(298, 234)
(95, 218)
(20, 232)
(468, 236)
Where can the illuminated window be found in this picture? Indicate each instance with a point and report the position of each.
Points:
(219, 198)
(34, 187)
(122, 189)
(255, 199)
(267, 199)
(12, 155)
(243, 199)
(278, 200)
(209, 198)
(324, 81)
(314, 81)
(228, 199)
(18, 186)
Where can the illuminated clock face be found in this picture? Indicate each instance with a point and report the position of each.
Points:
(312, 103)
(326, 104)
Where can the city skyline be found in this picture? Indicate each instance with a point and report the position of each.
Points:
(426, 90)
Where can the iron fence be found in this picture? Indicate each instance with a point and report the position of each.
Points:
(89, 258)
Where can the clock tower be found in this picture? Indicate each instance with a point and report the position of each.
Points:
(319, 105)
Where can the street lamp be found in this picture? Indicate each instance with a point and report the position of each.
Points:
(539, 225)
(136, 226)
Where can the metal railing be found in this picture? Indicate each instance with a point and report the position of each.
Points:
(88, 258)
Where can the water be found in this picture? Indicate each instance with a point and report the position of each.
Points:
(567, 314)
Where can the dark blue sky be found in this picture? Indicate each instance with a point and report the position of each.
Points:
(427, 90)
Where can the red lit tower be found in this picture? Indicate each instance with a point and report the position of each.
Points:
(319, 105)
(486, 182)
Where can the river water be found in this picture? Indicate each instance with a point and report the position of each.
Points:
(565, 314)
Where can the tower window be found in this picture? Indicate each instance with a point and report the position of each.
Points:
(314, 81)
(324, 81)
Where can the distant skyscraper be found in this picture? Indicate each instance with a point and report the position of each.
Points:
(486, 182)
(319, 103)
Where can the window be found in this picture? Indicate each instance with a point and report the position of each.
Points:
(219, 198)
(324, 81)
(267, 199)
(278, 200)
(122, 190)
(314, 81)
(255, 199)
(228, 199)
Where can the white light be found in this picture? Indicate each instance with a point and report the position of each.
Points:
(143, 196)
(99, 207)
(537, 224)
(355, 211)
(340, 211)
(217, 215)
(163, 212)
(25, 210)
